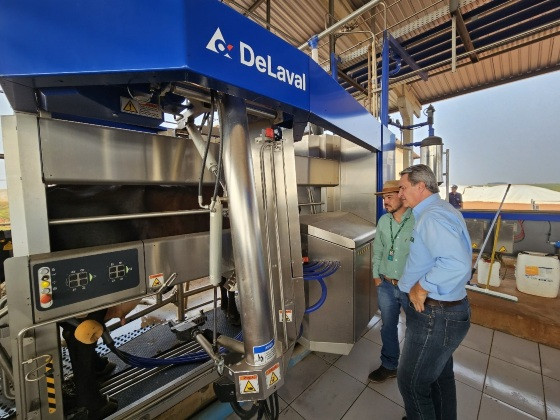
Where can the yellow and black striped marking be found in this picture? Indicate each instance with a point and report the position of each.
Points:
(49, 376)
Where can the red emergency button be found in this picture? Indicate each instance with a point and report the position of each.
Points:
(269, 132)
(45, 299)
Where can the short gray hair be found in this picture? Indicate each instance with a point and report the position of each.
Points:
(422, 173)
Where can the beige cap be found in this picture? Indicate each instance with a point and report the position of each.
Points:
(389, 187)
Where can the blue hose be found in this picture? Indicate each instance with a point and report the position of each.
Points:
(318, 271)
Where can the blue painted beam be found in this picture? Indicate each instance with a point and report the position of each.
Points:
(97, 43)
(539, 216)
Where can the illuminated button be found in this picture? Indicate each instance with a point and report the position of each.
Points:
(43, 270)
(46, 291)
(45, 299)
(45, 284)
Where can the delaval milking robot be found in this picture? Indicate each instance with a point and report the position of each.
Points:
(90, 83)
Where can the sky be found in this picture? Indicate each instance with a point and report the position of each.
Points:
(507, 133)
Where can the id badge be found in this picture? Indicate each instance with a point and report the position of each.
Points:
(390, 256)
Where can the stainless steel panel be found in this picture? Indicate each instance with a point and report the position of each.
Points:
(358, 177)
(41, 341)
(316, 171)
(362, 285)
(341, 228)
(334, 321)
(186, 255)
(477, 231)
(26, 191)
(83, 153)
(505, 236)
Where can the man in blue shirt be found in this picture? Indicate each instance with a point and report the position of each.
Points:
(438, 315)
(455, 198)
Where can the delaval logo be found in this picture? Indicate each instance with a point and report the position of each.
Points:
(218, 44)
(248, 58)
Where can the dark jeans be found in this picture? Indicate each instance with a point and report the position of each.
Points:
(390, 299)
(425, 375)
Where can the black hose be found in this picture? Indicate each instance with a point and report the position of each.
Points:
(241, 412)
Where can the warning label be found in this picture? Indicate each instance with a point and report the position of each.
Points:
(145, 109)
(155, 280)
(288, 315)
(503, 249)
(263, 354)
(272, 375)
(248, 384)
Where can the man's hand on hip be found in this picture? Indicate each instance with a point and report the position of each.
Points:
(417, 296)
(377, 281)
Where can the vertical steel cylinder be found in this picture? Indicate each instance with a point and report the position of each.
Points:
(247, 239)
(431, 154)
(215, 269)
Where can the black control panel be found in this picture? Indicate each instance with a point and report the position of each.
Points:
(64, 281)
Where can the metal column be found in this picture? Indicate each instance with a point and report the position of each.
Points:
(252, 275)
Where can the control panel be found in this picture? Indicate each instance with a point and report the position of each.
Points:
(65, 281)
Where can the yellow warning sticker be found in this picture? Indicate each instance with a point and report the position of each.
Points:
(145, 109)
(272, 375)
(129, 107)
(502, 249)
(474, 245)
(155, 280)
(248, 384)
(531, 270)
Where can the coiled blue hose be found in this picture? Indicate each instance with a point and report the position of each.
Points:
(318, 270)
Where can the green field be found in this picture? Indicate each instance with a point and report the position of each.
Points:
(553, 187)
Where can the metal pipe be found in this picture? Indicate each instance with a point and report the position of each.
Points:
(200, 145)
(215, 257)
(344, 21)
(320, 203)
(206, 346)
(6, 365)
(231, 344)
(115, 217)
(205, 97)
(246, 233)
(180, 303)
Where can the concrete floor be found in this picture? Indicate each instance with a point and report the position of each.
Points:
(498, 376)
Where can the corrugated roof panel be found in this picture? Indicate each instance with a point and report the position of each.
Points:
(539, 52)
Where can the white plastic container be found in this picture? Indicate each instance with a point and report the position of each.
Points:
(538, 274)
(482, 273)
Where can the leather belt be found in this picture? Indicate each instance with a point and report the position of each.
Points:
(435, 302)
(394, 282)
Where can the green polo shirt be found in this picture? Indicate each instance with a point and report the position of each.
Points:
(382, 245)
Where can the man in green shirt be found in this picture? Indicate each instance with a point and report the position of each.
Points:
(390, 251)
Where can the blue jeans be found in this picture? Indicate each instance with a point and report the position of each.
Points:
(425, 376)
(390, 299)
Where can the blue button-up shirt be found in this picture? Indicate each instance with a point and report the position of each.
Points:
(440, 255)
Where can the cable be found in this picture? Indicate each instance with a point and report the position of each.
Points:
(203, 167)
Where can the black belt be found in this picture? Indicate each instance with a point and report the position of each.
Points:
(435, 302)
(394, 282)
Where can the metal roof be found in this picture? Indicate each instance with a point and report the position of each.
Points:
(502, 41)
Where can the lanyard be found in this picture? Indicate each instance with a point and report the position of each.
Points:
(391, 251)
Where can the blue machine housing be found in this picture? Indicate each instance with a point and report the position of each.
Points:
(69, 44)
